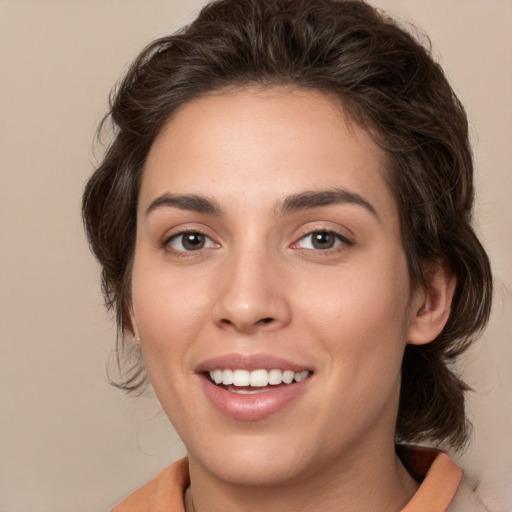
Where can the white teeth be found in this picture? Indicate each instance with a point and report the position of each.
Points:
(275, 377)
(227, 377)
(257, 378)
(288, 376)
(246, 391)
(241, 377)
(217, 376)
(301, 376)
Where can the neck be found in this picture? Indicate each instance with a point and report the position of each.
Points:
(373, 482)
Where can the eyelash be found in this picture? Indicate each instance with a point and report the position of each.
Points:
(206, 239)
(340, 243)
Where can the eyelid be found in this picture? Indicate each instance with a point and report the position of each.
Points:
(167, 239)
(344, 241)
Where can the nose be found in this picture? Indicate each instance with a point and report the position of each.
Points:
(252, 295)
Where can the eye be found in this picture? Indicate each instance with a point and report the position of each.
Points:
(322, 240)
(190, 241)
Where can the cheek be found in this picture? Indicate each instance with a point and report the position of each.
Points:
(163, 295)
(360, 314)
(169, 318)
(169, 314)
(371, 290)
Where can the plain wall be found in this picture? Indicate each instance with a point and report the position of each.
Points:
(68, 441)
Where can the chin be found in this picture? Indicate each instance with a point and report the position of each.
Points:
(256, 471)
(257, 461)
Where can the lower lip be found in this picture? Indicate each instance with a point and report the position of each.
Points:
(255, 406)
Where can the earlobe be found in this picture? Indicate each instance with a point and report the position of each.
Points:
(133, 328)
(431, 306)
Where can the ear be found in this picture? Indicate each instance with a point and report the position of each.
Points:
(133, 327)
(431, 305)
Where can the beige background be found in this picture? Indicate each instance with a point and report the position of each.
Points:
(68, 441)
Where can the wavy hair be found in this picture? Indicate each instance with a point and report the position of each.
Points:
(389, 83)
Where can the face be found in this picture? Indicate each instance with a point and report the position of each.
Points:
(270, 287)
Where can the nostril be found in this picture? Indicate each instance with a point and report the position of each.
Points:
(247, 324)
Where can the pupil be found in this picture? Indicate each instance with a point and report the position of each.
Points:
(323, 240)
(193, 241)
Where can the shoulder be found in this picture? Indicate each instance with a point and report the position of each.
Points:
(163, 493)
(467, 499)
(443, 484)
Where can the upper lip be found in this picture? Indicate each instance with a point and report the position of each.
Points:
(249, 362)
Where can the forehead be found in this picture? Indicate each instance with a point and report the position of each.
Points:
(262, 143)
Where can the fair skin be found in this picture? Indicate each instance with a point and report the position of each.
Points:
(268, 239)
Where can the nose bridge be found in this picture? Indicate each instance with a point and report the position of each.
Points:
(252, 295)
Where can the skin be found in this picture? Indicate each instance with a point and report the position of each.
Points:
(259, 285)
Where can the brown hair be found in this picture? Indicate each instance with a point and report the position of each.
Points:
(389, 84)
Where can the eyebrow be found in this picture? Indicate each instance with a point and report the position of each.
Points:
(302, 201)
(190, 202)
(316, 199)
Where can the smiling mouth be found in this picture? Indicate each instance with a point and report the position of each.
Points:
(247, 382)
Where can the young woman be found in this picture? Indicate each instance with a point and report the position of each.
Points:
(283, 220)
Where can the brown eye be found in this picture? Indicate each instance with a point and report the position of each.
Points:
(193, 241)
(190, 241)
(323, 240)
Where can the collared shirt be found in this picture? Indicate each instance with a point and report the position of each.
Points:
(438, 474)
